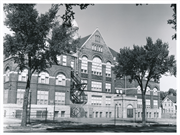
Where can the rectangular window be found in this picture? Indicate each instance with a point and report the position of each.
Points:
(84, 65)
(72, 64)
(139, 105)
(59, 98)
(64, 60)
(5, 96)
(109, 114)
(155, 103)
(96, 86)
(108, 101)
(96, 100)
(62, 113)
(108, 70)
(97, 68)
(42, 97)
(108, 87)
(106, 114)
(41, 114)
(149, 114)
(20, 96)
(100, 115)
(148, 103)
(154, 114)
(84, 86)
(96, 114)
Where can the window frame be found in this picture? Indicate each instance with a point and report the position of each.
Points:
(45, 79)
(61, 77)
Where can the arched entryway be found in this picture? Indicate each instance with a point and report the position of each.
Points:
(129, 111)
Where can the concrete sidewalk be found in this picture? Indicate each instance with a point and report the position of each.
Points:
(78, 121)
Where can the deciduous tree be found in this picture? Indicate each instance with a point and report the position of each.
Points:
(173, 20)
(29, 44)
(144, 63)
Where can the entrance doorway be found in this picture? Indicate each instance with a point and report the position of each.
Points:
(129, 111)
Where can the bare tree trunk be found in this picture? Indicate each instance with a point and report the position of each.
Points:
(143, 109)
(25, 101)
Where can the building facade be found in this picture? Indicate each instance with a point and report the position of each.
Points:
(51, 89)
(169, 106)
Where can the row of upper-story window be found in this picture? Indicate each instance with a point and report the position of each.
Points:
(166, 104)
(96, 66)
(43, 77)
(155, 91)
(148, 103)
(42, 97)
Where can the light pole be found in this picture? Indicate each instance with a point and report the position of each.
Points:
(115, 114)
(121, 92)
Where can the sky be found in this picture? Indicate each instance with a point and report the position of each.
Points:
(125, 25)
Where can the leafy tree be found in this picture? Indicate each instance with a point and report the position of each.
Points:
(30, 46)
(144, 63)
(163, 95)
(173, 21)
(171, 91)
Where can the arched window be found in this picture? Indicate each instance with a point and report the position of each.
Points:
(108, 69)
(43, 78)
(148, 90)
(138, 89)
(61, 79)
(155, 91)
(129, 106)
(7, 73)
(84, 64)
(23, 75)
(97, 66)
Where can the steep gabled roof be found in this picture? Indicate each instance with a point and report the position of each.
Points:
(83, 40)
(172, 98)
(114, 53)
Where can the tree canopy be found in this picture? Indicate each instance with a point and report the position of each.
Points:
(173, 20)
(30, 45)
(149, 61)
(144, 63)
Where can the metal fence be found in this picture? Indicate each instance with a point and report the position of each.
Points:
(76, 113)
